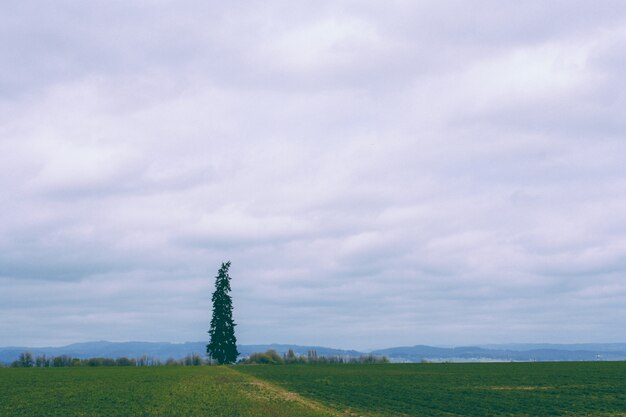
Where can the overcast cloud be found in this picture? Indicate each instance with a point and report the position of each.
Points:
(379, 173)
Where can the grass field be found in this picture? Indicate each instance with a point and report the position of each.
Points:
(480, 389)
(147, 391)
(506, 389)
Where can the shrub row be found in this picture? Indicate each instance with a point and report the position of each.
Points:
(271, 357)
(26, 360)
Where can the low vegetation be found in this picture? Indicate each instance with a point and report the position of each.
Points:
(271, 357)
(479, 389)
(26, 360)
(445, 389)
(145, 391)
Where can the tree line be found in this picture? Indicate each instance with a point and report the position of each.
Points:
(271, 357)
(27, 360)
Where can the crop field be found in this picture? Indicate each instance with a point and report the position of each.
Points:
(503, 389)
(479, 389)
(146, 391)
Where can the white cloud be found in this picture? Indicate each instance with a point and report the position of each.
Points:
(328, 44)
(379, 174)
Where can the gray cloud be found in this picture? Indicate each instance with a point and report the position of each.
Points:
(379, 174)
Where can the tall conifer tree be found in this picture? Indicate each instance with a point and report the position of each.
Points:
(223, 344)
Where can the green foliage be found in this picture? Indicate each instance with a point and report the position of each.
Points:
(125, 362)
(100, 362)
(291, 358)
(25, 361)
(141, 391)
(271, 357)
(500, 389)
(41, 361)
(65, 361)
(223, 343)
(268, 358)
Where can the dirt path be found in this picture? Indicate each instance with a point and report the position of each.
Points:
(264, 389)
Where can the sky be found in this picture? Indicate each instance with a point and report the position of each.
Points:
(380, 173)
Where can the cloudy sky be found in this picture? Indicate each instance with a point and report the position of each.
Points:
(380, 173)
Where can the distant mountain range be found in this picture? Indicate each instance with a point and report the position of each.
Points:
(510, 352)
(483, 353)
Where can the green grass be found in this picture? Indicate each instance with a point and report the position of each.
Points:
(152, 391)
(504, 389)
(486, 389)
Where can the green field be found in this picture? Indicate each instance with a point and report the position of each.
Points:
(478, 389)
(144, 391)
(531, 389)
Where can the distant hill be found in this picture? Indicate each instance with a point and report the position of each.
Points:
(246, 350)
(605, 347)
(505, 352)
(514, 352)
